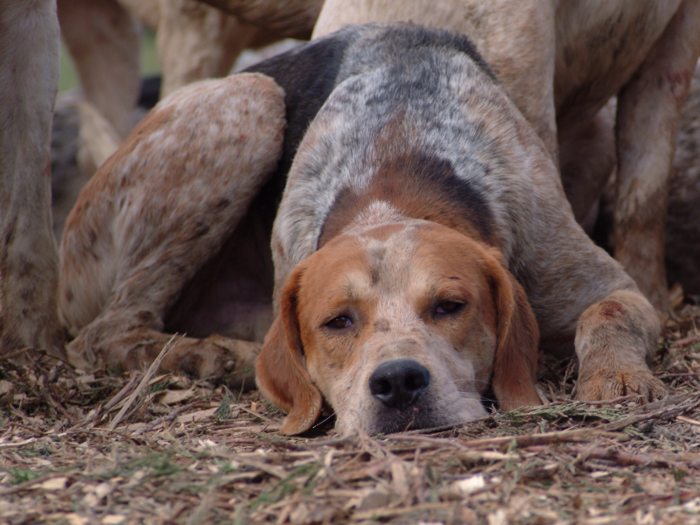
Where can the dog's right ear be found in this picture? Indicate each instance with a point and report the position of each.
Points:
(279, 370)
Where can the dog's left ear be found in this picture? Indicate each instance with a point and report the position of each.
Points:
(279, 370)
(515, 363)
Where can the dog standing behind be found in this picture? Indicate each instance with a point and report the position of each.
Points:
(561, 62)
(421, 238)
(29, 45)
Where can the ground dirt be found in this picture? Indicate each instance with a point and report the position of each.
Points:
(108, 448)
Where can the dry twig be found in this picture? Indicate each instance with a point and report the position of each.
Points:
(144, 382)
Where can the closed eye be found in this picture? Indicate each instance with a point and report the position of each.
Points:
(448, 307)
(339, 322)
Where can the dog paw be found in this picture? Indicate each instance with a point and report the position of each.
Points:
(610, 384)
(217, 357)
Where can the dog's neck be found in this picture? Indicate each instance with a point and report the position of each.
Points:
(378, 213)
(411, 187)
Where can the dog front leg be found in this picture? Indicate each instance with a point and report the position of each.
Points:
(615, 339)
(648, 113)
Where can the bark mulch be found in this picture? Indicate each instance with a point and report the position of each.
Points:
(111, 448)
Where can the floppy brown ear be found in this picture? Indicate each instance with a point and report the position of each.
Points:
(279, 372)
(515, 363)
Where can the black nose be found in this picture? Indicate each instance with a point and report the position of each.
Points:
(398, 383)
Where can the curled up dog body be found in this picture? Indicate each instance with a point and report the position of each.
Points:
(422, 248)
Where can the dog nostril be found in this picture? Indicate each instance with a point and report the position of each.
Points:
(399, 383)
(416, 381)
(380, 388)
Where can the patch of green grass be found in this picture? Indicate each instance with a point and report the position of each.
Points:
(149, 54)
(161, 385)
(286, 485)
(20, 475)
(161, 464)
(224, 411)
(678, 474)
(68, 78)
(155, 465)
(115, 371)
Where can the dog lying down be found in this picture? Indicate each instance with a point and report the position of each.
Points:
(420, 237)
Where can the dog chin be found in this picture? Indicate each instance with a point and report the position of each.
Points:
(383, 420)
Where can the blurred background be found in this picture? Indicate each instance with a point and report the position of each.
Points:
(149, 62)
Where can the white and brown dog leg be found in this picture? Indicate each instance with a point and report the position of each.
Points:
(615, 342)
(29, 39)
(584, 301)
(646, 139)
(156, 212)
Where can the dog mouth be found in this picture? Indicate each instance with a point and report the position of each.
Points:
(421, 415)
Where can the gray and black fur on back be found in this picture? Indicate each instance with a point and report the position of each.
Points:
(311, 72)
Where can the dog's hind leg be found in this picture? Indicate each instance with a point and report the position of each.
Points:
(587, 160)
(156, 212)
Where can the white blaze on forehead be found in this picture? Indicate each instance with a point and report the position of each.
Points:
(396, 271)
(376, 214)
(391, 259)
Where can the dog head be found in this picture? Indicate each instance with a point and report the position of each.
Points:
(399, 326)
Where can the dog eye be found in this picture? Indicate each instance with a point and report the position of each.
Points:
(342, 321)
(448, 307)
